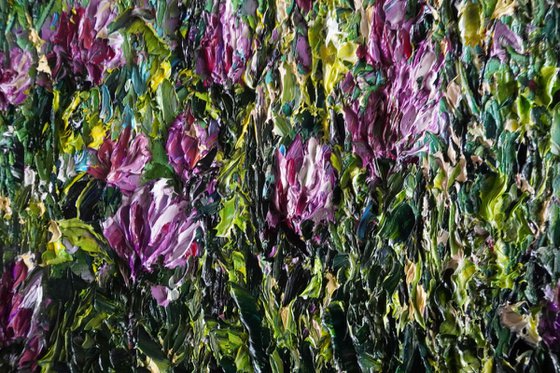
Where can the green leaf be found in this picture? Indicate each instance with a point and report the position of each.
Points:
(313, 289)
(152, 349)
(81, 234)
(167, 101)
(251, 317)
(555, 131)
(336, 323)
(232, 213)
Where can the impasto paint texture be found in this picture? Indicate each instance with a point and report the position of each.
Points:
(280, 186)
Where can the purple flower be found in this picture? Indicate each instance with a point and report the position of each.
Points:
(225, 47)
(14, 78)
(81, 46)
(161, 295)
(549, 323)
(188, 143)
(304, 5)
(303, 56)
(21, 301)
(389, 38)
(120, 163)
(504, 38)
(390, 119)
(153, 224)
(305, 180)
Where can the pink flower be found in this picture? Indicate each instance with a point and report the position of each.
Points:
(121, 163)
(305, 180)
(14, 78)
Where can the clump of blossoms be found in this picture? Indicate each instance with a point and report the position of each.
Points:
(81, 45)
(190, 141)
(395, 102)
(153, 224)
(14, 77)
(304, 185)
(549, 323)
(21, 304)
(225, 47)
(120, 163)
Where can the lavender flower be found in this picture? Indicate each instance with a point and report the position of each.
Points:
(225, 47)
(391, 118)
(81, 46)
(188, 143)
(14, 78)
(121, 163)
(153, 224)
(21, 299)
(305, 180)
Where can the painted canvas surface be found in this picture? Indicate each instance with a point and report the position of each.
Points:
(280, 186)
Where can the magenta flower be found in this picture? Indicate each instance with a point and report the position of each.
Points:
(14, 78)
(21, 301)
(305, 181)
(188, 143)
(81, 46)
(225, 47)
(390, 120)
(120, 163)
(153, 224)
